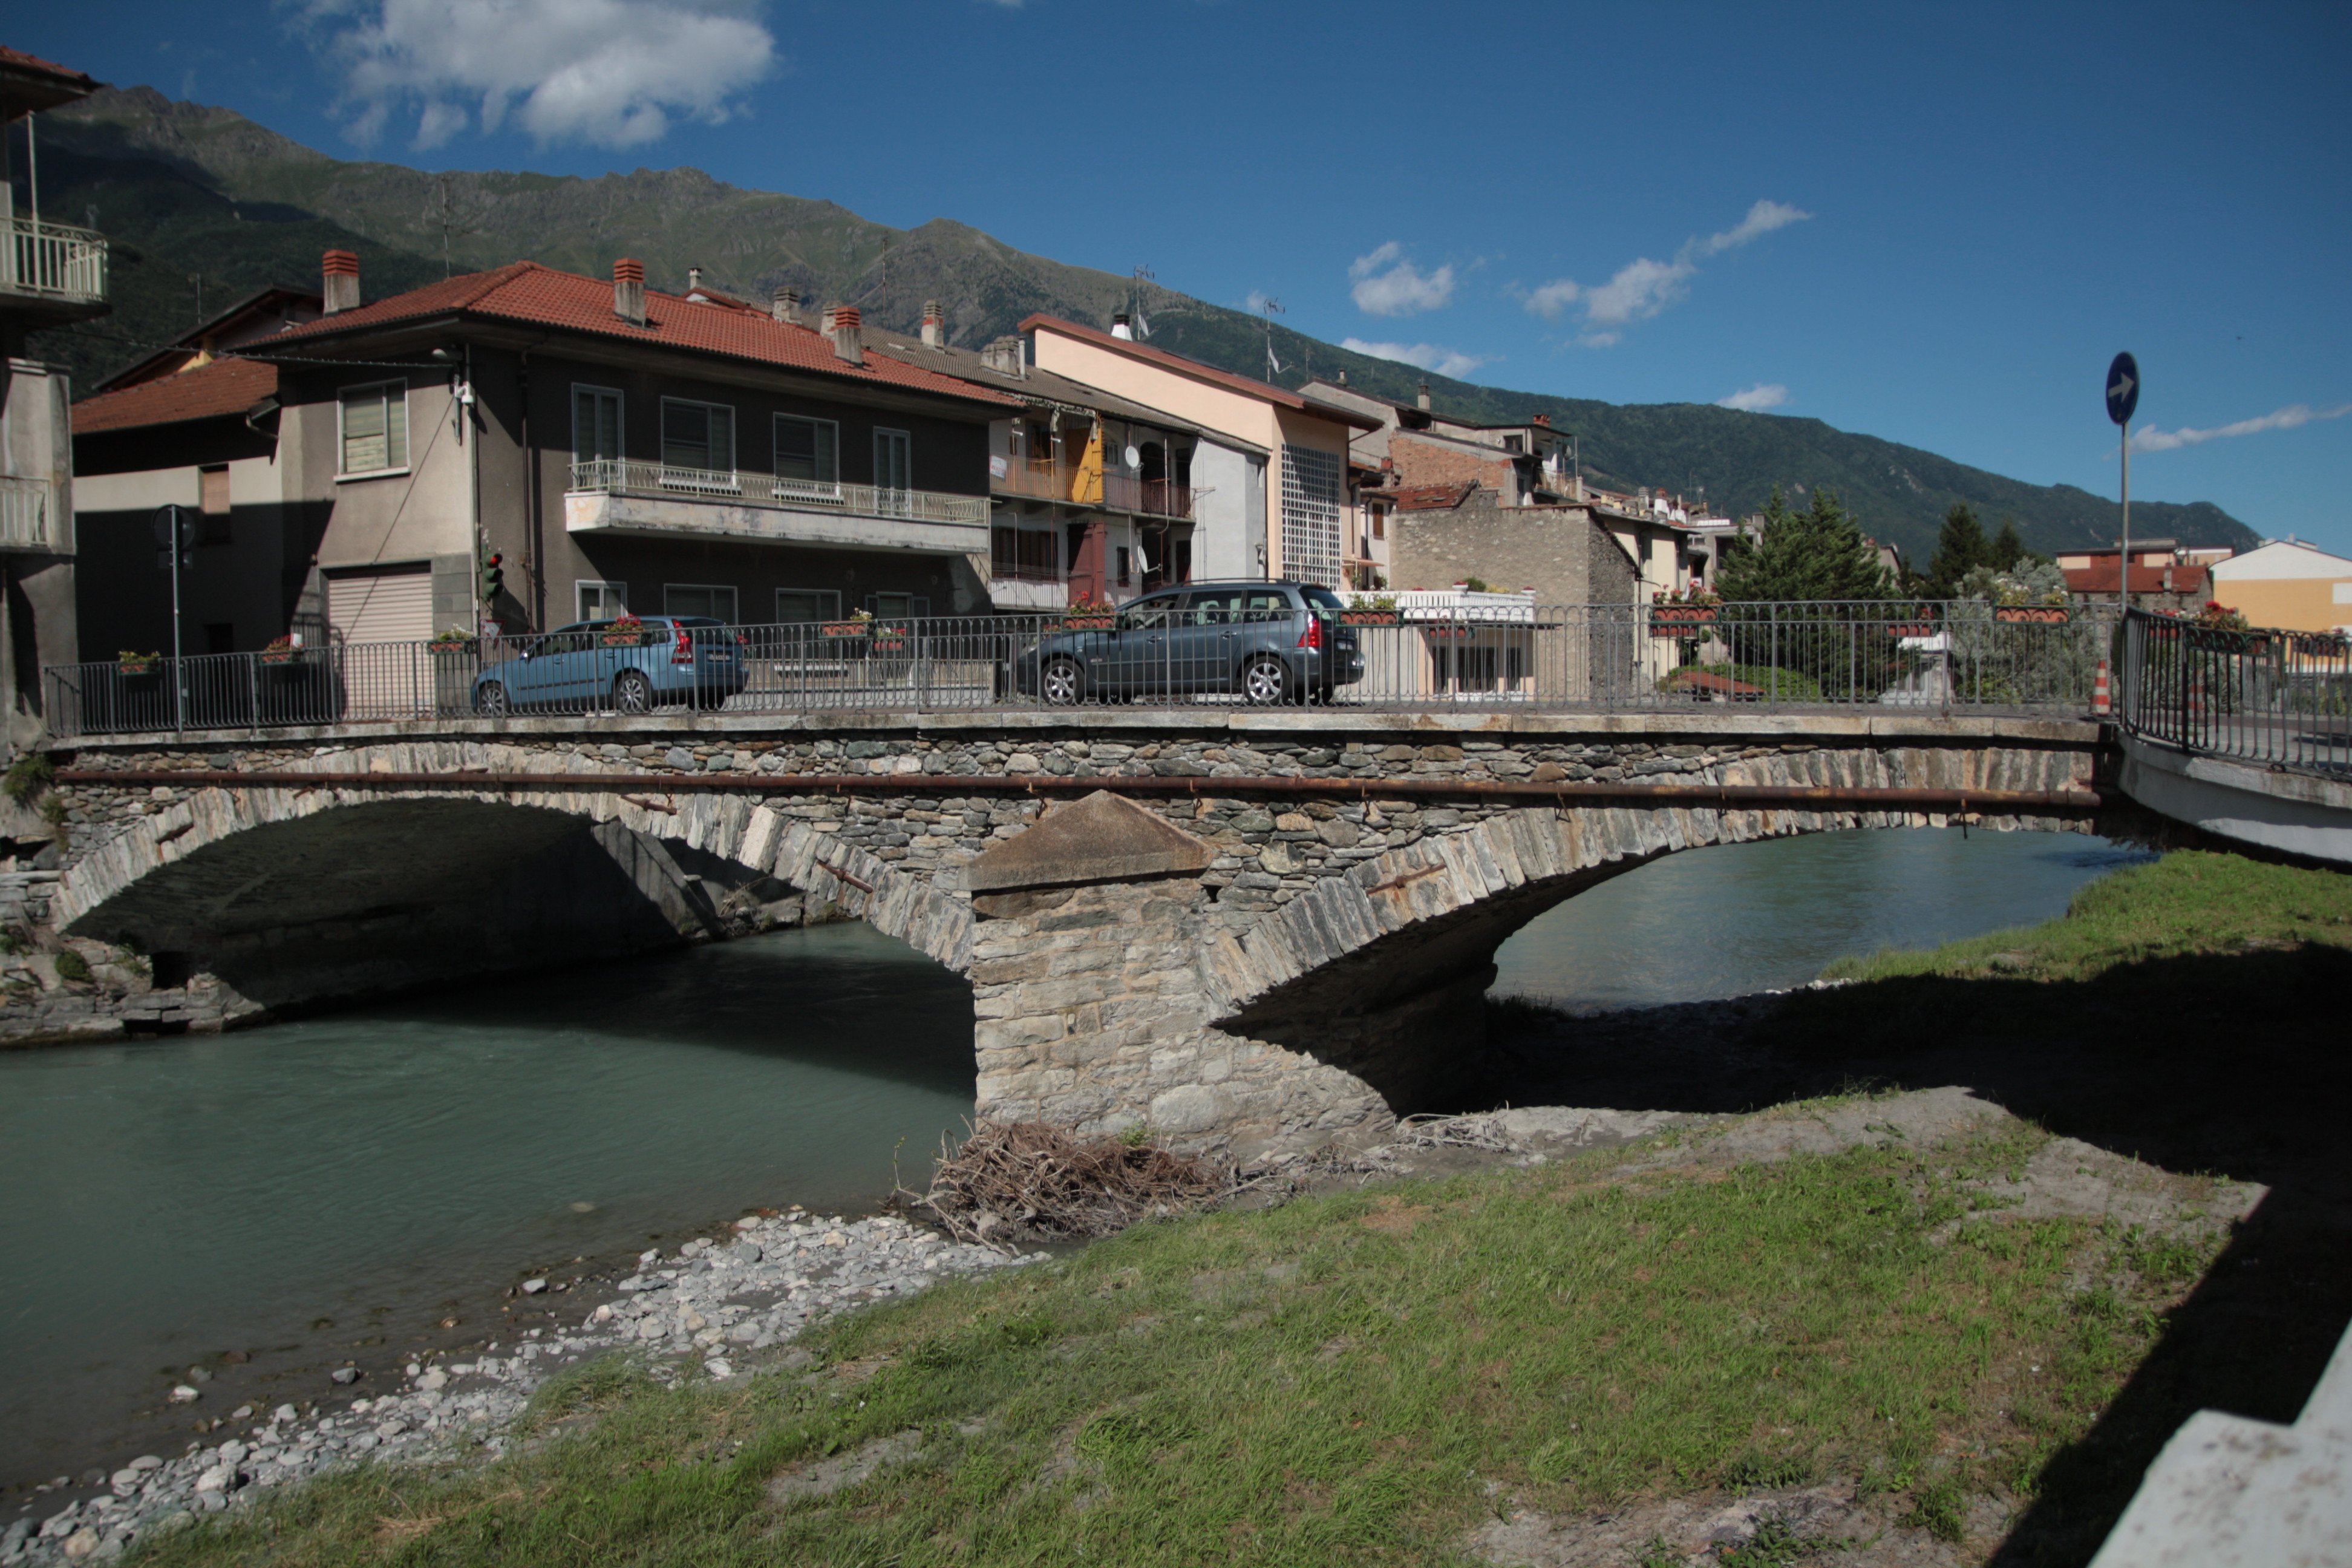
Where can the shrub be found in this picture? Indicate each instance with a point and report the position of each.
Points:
(73, 966)
(27, 776)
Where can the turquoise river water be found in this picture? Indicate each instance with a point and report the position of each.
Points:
(165, 1201)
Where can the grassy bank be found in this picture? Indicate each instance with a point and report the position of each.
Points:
(1368, 1377)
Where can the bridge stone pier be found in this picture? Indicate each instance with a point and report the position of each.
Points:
(1254, 932)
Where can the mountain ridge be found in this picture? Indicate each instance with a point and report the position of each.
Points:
(251, 207)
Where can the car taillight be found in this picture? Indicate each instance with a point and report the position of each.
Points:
(682, 651)
(1313, 635)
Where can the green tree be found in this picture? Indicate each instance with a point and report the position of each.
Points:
(1960, 548)
(2007, 549)
(1814, 554)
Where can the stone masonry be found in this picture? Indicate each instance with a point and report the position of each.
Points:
(1247, 970)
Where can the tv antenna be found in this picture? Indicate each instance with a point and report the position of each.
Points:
(1142, 275)
(1269, 308)
(449, 228)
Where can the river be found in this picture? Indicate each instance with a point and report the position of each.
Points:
(281, 1188)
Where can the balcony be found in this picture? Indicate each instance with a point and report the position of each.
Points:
(655, 501)
(1150, 498)
(1067, 484)
(30, 516)
(52, 265)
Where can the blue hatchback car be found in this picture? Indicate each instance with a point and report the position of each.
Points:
(593, 665)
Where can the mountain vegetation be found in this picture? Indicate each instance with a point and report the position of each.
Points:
(198, 197)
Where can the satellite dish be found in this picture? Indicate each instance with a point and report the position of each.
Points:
(1134, 457)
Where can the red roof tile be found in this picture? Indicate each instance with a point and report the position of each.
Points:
(527, 291)
(1434, 498)
(224, 386)
(1264, 390)
(2099, 577)
(22, 61)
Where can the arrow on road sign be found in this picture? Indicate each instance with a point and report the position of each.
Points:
(2123, 388)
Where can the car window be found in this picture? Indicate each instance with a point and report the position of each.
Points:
(1267, 606)
(1323, 599)
(1215, 606)
(1149, 613)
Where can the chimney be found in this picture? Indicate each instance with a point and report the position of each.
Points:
(1121, 330)
(1004, 356)
(935, 325)
(824, 318)
(694, 280)
(629, 292)
(343, 281)
(848, 340)
(1424, 394)
(1544, 420)
(786, 305)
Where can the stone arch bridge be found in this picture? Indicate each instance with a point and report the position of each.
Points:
(1256, 933)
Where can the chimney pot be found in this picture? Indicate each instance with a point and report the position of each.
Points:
(693, 280)
(1544, 420)
(1119, 328)
(934, 325)
(848, 338)
(342, 270)
(1424, 394)
(629, 290)
(786, 306)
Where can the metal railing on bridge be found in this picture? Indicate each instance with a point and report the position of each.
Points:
(1939, 658)
(2280, 699)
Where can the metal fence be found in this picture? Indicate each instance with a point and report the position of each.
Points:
(1939, 658)
(2281, 699)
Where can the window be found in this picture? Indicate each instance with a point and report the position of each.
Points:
(374, 428)
(893, 471)
(1310, 515)
(213, 503)
(699, 599)
(808, 451)
(595, 425)
(697, 436)
(898, 607)
(1024, 554)
(1379, 523)
(796, 605)
(600, 601)
(1126, 566)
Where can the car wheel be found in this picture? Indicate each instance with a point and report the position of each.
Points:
(1063, 683)
(1265, 680)
(633, 693)
(490, 699)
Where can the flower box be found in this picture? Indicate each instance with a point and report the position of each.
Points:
(280, 655)
(1368, 617)
(136, 667)
(843, 628)
(637, 638)
(1088, 623)
(2219, 639)
(1913, 629)
(2031, 614)
(450, 645)
(889, 639)
(1682, 612)
(1447, 631)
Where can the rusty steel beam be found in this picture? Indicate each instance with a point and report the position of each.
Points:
(2082, 798)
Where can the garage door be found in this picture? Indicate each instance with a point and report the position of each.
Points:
(389, 604)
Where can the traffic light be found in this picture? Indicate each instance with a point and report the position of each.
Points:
(494, 575)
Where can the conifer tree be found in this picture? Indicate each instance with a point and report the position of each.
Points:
(2007, 549)
(1816, 554)
(1960, 548)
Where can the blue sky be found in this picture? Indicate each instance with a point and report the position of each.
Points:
(1933, 224)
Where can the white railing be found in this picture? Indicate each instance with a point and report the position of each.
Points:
(626, 477)
(54, 259)
(28, 510)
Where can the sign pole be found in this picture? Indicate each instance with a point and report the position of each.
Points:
(2122, 399)
(179, 670)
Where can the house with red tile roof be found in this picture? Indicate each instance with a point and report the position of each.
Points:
(616, 448)
(51, 275)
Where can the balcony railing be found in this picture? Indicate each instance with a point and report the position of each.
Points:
(1066, 483)
(1154, 498)
(28, 514)
(663, 481)
(54, 261)
(1040, 480)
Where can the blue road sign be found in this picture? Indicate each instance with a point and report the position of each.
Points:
(2123, 388)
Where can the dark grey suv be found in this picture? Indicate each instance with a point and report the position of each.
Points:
(1268, 642)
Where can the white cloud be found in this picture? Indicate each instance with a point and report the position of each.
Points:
(611, 73)
(1755, 399)
(1643, 288)
(1403, 289)
(1428, 357)
(2152, 439)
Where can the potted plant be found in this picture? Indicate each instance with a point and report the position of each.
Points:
(1923, 626)
(1370, 610)
(2216, 628)
(625, 631)
(1672, 610)
(890, 637)
(130, 662)
(282, 649)
(857, 625)
(452, 641)
(1088, 614)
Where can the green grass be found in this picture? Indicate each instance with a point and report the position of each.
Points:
(1335, 1381)
(2189, 902)
(1786, 684)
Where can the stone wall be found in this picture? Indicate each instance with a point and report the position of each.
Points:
(1301, 966)
(1559, 552)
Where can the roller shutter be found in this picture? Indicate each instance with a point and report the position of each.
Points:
(386, 604)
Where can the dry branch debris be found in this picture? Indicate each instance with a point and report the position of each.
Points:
(1027, 1176)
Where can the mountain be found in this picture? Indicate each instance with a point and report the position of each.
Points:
(186, 189)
